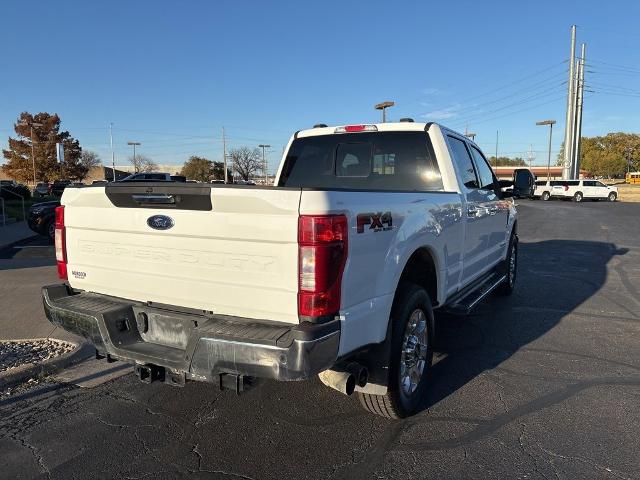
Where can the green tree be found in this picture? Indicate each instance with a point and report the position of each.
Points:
(560, 156)
(46, 133)
(506, 162)
(610, 155)
(198, 168)
(218, 171)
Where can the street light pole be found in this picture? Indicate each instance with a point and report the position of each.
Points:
(134, 154)
(550, 123)
(383, 106)
(113, 156)
(264, 162)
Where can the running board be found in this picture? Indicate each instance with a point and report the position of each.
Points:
(463, 305)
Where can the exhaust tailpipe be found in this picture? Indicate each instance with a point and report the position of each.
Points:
(344, 380)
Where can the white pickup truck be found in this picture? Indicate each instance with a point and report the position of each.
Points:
(335, 271)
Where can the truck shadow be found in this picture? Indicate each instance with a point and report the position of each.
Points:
(555, 277)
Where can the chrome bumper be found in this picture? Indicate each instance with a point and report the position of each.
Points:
(200, 346)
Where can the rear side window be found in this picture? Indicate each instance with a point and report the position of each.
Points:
(589, 183)
(540, 183)
(570, 183)
(463, 161)
(363, 161)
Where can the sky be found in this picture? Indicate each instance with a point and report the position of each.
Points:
(170, 75)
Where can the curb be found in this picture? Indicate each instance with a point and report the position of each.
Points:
(17, 375)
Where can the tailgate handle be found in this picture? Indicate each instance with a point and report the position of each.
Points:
(154, 199)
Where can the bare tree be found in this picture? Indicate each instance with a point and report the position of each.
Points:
(88, 160)
(246, 161)
(142, 163)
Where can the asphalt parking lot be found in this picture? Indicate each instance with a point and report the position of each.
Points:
(543, 384)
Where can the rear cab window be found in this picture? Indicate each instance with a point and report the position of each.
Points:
(401, 161)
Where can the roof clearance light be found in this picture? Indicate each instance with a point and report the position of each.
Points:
(356, 128)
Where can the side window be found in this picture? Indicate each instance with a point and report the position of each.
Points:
(463, 161)
(589, 183)
(600, 184)
(484, 170)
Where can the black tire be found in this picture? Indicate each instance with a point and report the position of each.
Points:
(545, 196)
(50, 231)
(510, 269)
(577, 197)
(397, 403)
(612, 197)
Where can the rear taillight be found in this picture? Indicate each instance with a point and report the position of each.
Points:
(60, 240)
(322, 253)
(566, 187)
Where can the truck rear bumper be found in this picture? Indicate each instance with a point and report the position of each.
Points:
(198, 344)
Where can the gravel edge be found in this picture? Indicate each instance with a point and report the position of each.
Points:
(17, 375)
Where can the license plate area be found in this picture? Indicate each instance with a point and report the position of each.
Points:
(162, 328)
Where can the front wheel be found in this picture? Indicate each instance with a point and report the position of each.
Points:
(612, 197)
(411, 355)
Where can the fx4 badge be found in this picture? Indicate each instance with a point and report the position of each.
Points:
(378, 222)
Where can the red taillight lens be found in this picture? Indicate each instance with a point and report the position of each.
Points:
(566, 187)
(322, 245)
(60, 241)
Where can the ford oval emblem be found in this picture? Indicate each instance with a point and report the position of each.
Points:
(160, 222)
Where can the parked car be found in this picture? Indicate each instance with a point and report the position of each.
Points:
(542, 190)
(154, 177)
(41, 218)
(335, 271)
(12, 190)
(58, 187)
(41, 190)
(579, 190)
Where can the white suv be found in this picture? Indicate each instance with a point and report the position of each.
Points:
(542, 190)
(578, 190)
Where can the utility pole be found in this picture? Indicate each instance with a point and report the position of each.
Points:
(224, 154)
(33, 156)
(264, 163)
(135, 166)
(569, 126)
(496, 149)
(531, 155)
(578, 124)
(113, 155)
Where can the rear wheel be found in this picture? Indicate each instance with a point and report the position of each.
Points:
(510, 268)
(546, 196)
(51, 231)
(612, 197)
(577, 197)
(411, 355)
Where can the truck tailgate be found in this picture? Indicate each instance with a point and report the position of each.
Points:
(230, 250)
